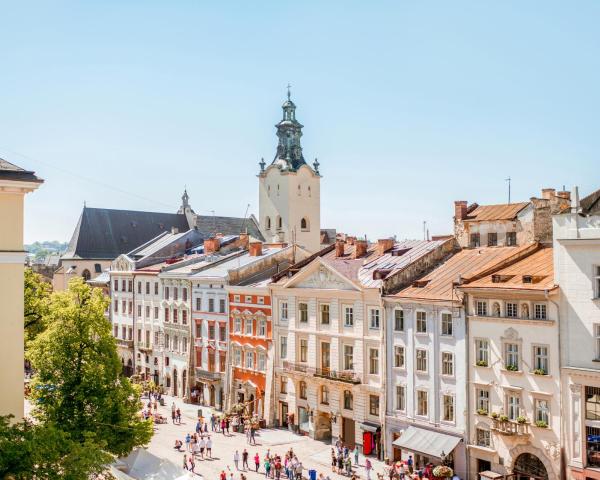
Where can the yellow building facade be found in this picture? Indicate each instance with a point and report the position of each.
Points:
(15, 183)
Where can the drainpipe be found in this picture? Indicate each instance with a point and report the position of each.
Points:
(560, 397)
(467, 383)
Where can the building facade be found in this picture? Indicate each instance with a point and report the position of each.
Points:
(514, 370)
(15, 183)
(329, 370)
(426, 367)
(577, 272)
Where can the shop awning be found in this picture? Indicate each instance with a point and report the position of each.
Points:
(369, 427)
(427, 442)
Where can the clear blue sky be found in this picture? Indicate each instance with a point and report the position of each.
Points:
(408, 105)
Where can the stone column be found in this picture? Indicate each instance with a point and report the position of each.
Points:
(576, 425)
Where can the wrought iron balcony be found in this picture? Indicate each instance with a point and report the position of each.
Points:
(346, 376)
(202, 374)
(298, 368)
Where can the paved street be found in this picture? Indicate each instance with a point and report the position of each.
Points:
(313, 454)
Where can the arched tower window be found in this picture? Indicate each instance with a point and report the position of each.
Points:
(279, 223)
(299, 190)
(268, 223)
(304, 225)
(86, 275)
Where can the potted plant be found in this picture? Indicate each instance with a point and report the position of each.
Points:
(541, 424)
(512, 368)
(442, 471)
(482, 411)
(540, 371)
(481, 363)
(503, 418)
(521, 419)
(495, 415)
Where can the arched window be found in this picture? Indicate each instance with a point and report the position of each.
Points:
(324, 395)
(348, 400)
(299, 190)
(86, 275)
(525, 311)
(304, 224)
(268, 223)
(302, 390)
(496, 309)
(309, 191)
(279, 223)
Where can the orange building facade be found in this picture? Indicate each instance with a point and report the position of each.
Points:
(251, 348)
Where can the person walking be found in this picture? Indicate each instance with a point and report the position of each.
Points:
(236, 460)
(368, 468)
(192, 464)
(299, 471)
(185, 461)
(410, 464)
(212, 422)
(257, 461)
(178, 416)
(202, 444)
(188, 439)
(209, 447)
(227, 425)
(245, 460)
(252, 435)
(356, 455)
(267, 467)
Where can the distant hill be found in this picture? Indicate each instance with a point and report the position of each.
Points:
(40, 250)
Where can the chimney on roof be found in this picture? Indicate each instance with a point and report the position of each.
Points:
(243, 241)
(255, 249)
(360, 248)
(460, 210)
(564, 194)
(212, 245)
(339, 248)
(548, 193)
(174, 230)
(575, 206)
(384, 245)
(350, 240)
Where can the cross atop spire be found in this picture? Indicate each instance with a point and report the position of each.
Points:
(288, 90)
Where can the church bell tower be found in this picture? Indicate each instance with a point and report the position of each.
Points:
(289, 189)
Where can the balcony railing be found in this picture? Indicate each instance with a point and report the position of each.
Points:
(346, 376)
(298, 368)
(202, 374)
(124, 343)
(509, 427)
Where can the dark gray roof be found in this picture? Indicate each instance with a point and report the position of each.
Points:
(590, 205)
(209, 225)
(9, 171)
(104, 234)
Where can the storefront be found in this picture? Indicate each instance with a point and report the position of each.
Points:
(371, 439)
(426, 446)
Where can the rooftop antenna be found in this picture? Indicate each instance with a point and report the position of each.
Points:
(508, 180)
(424, 229)
(214, 222)
(245, 230)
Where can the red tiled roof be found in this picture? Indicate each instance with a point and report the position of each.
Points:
(505, 211)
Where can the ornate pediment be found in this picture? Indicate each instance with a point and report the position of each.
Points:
(122, 264)
(325, 279)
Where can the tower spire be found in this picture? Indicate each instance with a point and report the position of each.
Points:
(288, 91)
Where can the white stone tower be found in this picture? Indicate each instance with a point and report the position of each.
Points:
(289, 189)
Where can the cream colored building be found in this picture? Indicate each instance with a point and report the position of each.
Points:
(14, 184)
(513, 359)
(329, 369)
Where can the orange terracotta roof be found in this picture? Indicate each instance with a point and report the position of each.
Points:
(438, 285)
(534, 272)
(505, 211)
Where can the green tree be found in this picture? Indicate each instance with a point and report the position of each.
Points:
(37, 299)
(42, 451)
(78, 385)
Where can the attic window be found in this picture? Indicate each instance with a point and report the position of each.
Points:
(527, 279)
(533, 278)
(501, 278)
(420, 283)
(381, 273)
(399, 252)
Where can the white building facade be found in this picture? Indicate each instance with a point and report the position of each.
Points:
(577, 272)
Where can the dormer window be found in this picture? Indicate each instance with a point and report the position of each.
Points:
(527, 279)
